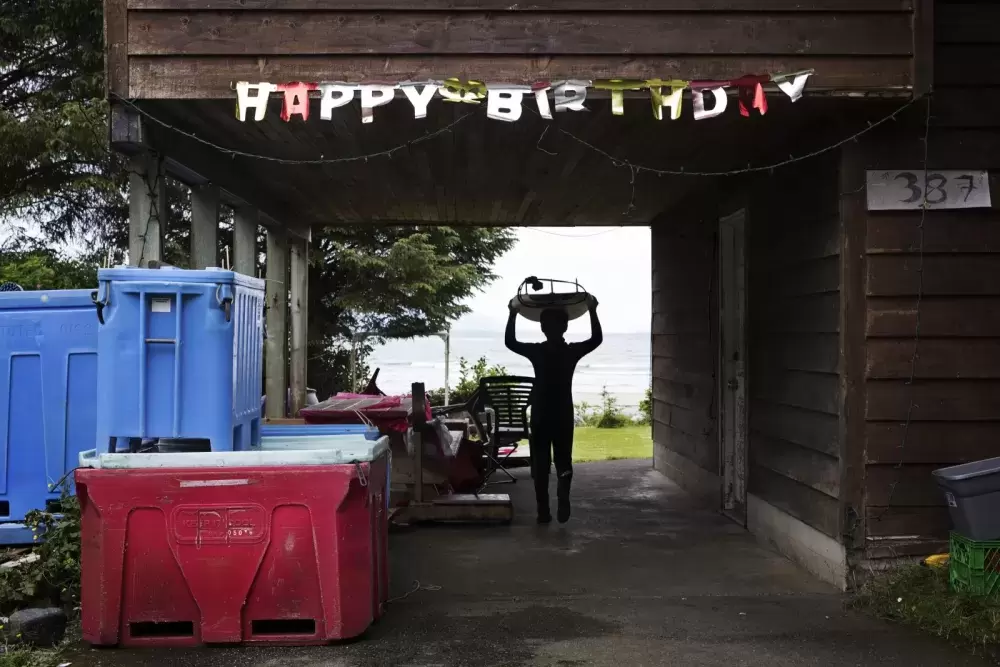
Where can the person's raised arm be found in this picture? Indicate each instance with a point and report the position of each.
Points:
(596, 333)
(510, 336)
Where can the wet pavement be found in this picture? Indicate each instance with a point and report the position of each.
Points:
(639, 576)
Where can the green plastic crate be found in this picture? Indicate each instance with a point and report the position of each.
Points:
(974, 567)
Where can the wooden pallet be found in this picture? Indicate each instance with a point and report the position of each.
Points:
(458, 508)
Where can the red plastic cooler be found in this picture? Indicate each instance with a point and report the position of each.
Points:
(279, 547)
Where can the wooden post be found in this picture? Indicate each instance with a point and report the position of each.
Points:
(276, 343)
(147, 205)
(204, 227)
(299, 309)
(245, 221)
(417, 419)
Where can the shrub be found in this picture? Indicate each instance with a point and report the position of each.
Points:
(55, 577)
(646, 408)
(469, 376)
(607, 415)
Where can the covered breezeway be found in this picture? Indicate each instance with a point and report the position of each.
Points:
(644, 576)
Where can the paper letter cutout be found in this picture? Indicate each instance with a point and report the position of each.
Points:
(750, 93)
(419, 98)
(469, 92)
(257, 101)
(374, 96)
(332, 96)
(505, 103)
(618, 88)
(794, 87)
(570, 95)
(674, 100)
(541, 91)
(698, 101)
(296, 102)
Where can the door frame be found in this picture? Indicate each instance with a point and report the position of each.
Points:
(733, 450)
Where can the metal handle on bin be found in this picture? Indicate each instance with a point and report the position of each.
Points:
(99, 304)
(225, 300)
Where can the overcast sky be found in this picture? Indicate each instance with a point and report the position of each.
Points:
(613, 263)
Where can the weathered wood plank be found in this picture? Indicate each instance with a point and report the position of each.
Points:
(683, 321)
(696, 423)
(700, 451)
(818, 353)
(698, 350)
(806, 466)
(685, 395)
(291, 33)
(924, 522)
(665, 369)
(804, 503)
(933, 400)
(811, 391)
(973, 107)
(967, 23)
(974, 230)
(534, 5)
(910, 485)
(211, 77)
(899, 275)
(966, 65)
(940, 316)
(931, 442)
(808, 314)
(936, 359)
(820, 276)
(814, 430)
(876, 548)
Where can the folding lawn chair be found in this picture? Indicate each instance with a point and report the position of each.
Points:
(508, 398)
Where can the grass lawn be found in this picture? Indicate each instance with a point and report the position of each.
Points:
(608, 444)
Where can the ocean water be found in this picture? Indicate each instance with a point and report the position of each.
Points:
(621, 363)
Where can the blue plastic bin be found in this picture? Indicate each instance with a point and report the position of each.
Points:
(48, 376)
(180, 355)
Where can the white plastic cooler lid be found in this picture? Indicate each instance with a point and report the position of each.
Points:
(345, 449)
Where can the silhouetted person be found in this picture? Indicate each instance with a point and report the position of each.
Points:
(552, 418)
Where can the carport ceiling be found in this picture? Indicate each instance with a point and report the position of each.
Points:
(480, 171)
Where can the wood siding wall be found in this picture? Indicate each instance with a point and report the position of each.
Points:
(197, 48)
(794, 343)
(934, 315)
(685, 350)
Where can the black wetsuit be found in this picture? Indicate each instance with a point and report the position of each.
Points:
(552, 418)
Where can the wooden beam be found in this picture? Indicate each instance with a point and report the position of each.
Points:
(923, 47)
(147, 207)
(116, 67)
(276, 343)
(804, 6)
(204, 227)
(853, 215)
(299, 312)
(211, 77)
(289, 33)
(245, 221)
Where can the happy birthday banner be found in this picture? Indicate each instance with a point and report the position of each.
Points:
(505, 101)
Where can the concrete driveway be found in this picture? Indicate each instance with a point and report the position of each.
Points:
(640, 576)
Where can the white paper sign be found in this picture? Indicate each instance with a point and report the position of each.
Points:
(897, 190)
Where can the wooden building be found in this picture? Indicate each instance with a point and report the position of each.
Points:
(813, 360)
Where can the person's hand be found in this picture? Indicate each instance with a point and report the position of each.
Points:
(511, 306)
(592, 300)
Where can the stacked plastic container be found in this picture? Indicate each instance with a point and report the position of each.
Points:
(180, 357)
(207, 528)
(48, 371)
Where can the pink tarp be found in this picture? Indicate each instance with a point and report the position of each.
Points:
(388, 413)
